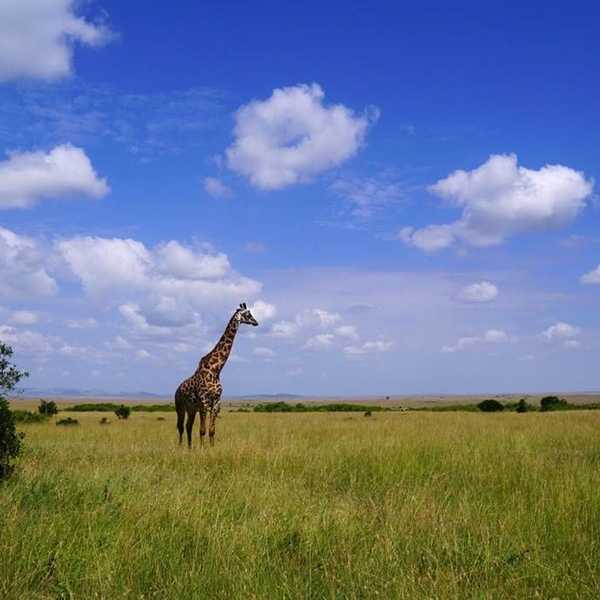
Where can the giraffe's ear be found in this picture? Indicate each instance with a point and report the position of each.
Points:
(243, 305)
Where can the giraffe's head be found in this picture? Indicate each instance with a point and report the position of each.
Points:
(243, 315)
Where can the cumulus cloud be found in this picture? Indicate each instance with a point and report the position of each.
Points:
(293, 136)
(65, 171)
(22, 267)
(591, 278)
(37, 37)
(484, 291)
(369, 347)
(216, 188)
(157, 289)
(500, 199)
(491, 336)
(561, 331)
(347, 331)
(25, 341)
(263, 311)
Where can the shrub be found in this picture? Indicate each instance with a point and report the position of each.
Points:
(368, 413)
(67, 421)
(522, 406)
(123, 412)
(47, 408)
(490, 405)
(27, 416)
(553, 403)
(104, 421)
(10, 439)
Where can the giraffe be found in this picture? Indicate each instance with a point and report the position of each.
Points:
(202, 391)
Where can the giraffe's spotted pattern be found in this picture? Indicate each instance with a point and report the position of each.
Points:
(201, 393)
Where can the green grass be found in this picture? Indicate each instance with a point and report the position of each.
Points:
(313, 505)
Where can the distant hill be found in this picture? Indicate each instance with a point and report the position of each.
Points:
(75, 392)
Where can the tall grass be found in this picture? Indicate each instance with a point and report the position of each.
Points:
(309, 505)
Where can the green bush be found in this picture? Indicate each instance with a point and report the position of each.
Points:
(28, 416)
(67, 421)
(10, 439)
(522, 406)
(47, 408)
(123, 412)
(553, 403)
(490, 405)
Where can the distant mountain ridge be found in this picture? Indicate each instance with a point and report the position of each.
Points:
(100, 393)
(87, 393)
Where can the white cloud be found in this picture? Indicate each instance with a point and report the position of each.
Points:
(428, 239)
(65, 171)
(500, 199)
(25, 341)
(318, 316)
(292, 137)
(347, 331)
(263, 352)
(572, 344)
(216, 188)
(495, 335)
(37, 36)
(321, 340)
(142, 354)
(484, 291)
(184, 263)
(561, 331)
(369, 347)
(157, 289)
(263, 311)
(367, 195)
(23, 317)
(591, 278)
(285, 329)
(22, 268)
(88, 323)
(491, 336)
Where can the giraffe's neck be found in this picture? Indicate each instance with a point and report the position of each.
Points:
(220, 353)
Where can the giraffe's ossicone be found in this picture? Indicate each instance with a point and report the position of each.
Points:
(202, 391)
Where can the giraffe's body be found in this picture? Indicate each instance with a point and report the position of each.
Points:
(201, 393)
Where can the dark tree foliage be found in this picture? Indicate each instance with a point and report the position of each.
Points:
(553, 403)
(10, 440)
(47, 408)
(522, 406)
(123, 412)
(490, 405)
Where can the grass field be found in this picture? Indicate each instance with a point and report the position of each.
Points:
(397, 505)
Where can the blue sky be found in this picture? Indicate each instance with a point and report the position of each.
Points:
(405, 195)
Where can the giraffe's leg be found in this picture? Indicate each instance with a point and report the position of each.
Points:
(202, 425)
(191, 416)
(214, 411)
(180, 420)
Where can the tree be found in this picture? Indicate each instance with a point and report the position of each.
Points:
(522, 406)
(490, 405)
(10, 440)
(123, 412)
(552, 403)
(47, 408)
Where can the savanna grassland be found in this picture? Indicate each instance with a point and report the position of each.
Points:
(396, 505)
